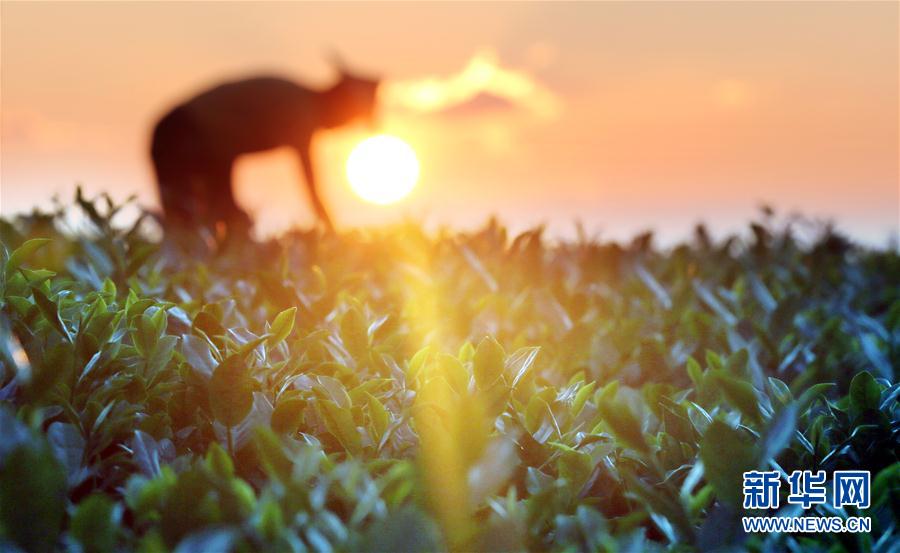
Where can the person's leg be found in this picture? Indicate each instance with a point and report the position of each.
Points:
(223, 208)
(175, 195)
(170, 154)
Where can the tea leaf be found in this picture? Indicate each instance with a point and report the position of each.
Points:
(865, 392)
(230, 392)
(20, 254)
(726, 456)
(282, 326)
(488, 362)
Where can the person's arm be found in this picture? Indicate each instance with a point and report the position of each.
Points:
(311, 185)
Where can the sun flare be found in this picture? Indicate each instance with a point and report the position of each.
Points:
(382, 169)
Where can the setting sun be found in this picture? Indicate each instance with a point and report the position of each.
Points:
(382, 169)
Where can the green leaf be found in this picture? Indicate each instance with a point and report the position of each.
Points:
(885, 484)
(109, 289)
(331, 388)
(779, 433)
(737, 362)
(146, 496)
(271, 453)
(488, 362)
(137, 259)
(53, 367)
(20, 254)
(878, 360)
(218, 462)
(573, 465)
(780, 390)
(812, 393)
(50, 311)
(208, 324)
(95, 523)
(466, 352)
(381, 418)
(247, 347)
(271, 520)
(581, 397)
(197, 353)
(865, 391)
(713, 361)
(68, 445)
(32, 497)
(159, 321)
(189, 506)
(739, 393)
(453, 371)
(701, 500)
(162, 354)
(339, 422)
(726, 456)
(694, 372)
(37, 277)
(21, 305)
(711, 301)
(520, 362)
(354, 333)
(535, 412)
(621, 421)
(417, 362)
(230, 391)
(282, 326)
(288, 415)
(145, 334)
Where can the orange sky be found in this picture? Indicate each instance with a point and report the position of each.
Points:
(625, 116)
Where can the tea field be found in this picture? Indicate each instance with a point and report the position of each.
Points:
(397, 390)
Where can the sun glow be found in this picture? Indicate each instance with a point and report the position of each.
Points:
(382, 169)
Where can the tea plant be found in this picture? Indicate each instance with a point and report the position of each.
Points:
(394, 391)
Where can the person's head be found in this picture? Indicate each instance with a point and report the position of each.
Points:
(352, 97)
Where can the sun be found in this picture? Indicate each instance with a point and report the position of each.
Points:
(382, 169)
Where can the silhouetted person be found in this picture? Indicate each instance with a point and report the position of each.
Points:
(194, 145)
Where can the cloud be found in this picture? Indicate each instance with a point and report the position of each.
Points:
(483, 102)
(482, 85)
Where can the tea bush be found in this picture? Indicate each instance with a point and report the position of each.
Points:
(393, 390)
